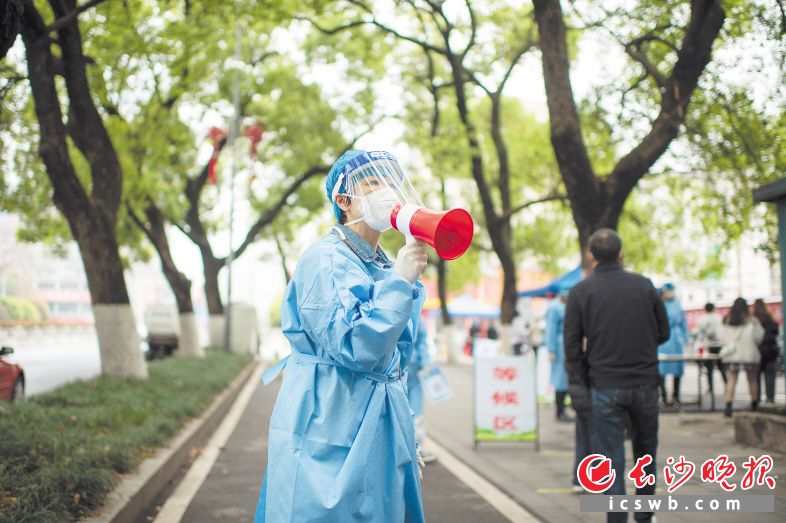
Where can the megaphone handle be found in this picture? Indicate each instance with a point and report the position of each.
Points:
(413, 241)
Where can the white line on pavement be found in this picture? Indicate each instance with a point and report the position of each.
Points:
(177, 503)
(495, 497)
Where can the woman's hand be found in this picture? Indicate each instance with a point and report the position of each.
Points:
(411, 261)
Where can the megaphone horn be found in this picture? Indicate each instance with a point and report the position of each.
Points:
(448, 232)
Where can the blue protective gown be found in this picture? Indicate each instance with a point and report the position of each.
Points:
(342, 437)
(677, 340)
(555, 319)
(419, 360)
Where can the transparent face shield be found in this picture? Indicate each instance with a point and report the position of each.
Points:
(376, 185)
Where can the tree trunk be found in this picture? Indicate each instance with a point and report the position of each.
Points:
(215, 306)
(188, 342)
(498, 228)
(442, 266)
(91, 219)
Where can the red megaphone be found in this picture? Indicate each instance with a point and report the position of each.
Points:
(449, 232)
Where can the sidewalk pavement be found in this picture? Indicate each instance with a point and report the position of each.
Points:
(541, 480)
(230, 491)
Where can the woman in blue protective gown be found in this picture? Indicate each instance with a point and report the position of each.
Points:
(342, 439)
(674, 346)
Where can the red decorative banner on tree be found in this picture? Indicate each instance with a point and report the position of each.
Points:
(216, 136)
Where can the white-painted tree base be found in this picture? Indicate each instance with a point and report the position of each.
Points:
(188, 343)
(451, 339)
(118, 341)
(216, 331)
(505, 347)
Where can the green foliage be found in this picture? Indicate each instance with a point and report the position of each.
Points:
(64, 451)
(733, 134)
(19, 309)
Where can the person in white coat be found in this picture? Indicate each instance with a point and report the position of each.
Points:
(741, 334)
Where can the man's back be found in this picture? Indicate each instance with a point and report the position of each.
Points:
(623, 320)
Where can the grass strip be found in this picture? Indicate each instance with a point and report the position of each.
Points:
(62, 452)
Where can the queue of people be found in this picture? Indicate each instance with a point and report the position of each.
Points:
(745, 340)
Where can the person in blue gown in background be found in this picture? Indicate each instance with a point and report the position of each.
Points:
(674, 346)
(553, 338)
(342, 438)
(420, 360)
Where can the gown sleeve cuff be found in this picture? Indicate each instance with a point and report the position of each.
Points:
(397, 294)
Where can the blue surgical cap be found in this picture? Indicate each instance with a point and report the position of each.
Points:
(668, 286)
(332, 177)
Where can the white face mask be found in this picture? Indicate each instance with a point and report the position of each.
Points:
(376, 207)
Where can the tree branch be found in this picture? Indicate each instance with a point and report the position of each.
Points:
(706, 21)
(529, 43)
(85, 125)
(551, 197)
(374, 22)
(68, 17)
(69, 193)
(473, 25)
(139, 222)
(634, 51)
(270, 214)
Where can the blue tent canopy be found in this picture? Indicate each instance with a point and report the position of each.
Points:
(465, 306)
(563, 283)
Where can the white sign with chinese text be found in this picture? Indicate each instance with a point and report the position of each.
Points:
(505, 400)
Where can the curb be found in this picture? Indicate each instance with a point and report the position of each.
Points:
(137, 491)
(535, 514)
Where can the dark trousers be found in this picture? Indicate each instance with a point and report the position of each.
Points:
(711, 365)
(559, 400)
(768, 370)
(675, 393)
(611, 409)
(582, 404)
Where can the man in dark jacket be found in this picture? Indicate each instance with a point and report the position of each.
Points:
(623, 320)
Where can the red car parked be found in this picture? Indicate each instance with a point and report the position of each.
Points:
(12, 378)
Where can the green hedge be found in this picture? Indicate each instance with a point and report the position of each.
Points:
(14, 308)
(62, 452)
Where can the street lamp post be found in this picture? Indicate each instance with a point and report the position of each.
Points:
(234, 132)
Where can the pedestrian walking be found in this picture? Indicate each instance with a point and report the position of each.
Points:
(741, 334)
(342, 439)
(554, 339)
(673, 346)
(708, 327)
(768, 349)
(622, 319)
